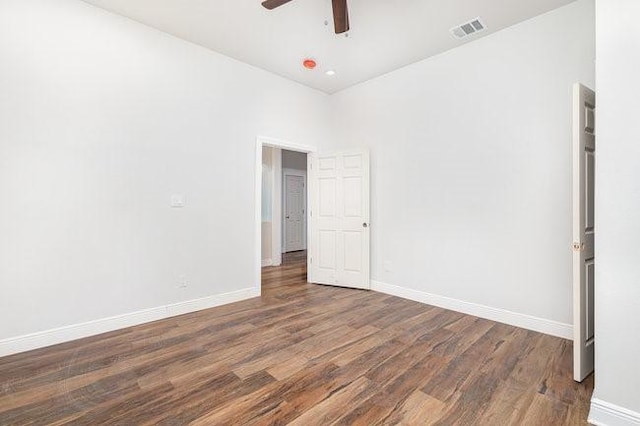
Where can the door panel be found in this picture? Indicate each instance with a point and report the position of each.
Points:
(327, 197)
(326, 164)
(352, 244)
(352, 162)
(327, 250)
(588, 314)
(353, 196)
(584, 160)
(589, 204)
(339, 219)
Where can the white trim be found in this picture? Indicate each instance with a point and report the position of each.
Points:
(275, 143)
(267, 262)
(258, 216)
(606, 414)
(55, 336)
(282, 144)
(310, 245)
(529, 322)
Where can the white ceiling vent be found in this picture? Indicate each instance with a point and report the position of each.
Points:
(468, 28)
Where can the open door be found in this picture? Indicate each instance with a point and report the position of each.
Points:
(339, 219)
(584, 155)
(294, 213)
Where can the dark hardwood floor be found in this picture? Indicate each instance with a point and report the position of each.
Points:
(301, 354)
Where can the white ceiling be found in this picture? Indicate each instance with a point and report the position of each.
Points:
(385, 34)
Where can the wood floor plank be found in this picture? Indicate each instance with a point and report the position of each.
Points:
(418, 409)
(301, 354)
(331, 408)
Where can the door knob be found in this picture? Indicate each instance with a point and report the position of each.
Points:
(365, 225)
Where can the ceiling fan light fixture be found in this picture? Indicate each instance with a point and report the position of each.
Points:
(309, 64)
(330, 73)
(340, 13)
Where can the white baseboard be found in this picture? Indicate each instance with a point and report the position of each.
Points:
(529, 322)
(606, 414)
(267, 262)
(42, 339)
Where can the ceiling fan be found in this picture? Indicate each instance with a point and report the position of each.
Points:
(340, 12)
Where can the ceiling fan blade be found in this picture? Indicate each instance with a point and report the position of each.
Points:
(340, 16)
(272, 4)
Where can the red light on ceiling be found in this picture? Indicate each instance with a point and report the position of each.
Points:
(309, 64)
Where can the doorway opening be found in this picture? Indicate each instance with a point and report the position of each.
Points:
(282, 213)
(332, 219)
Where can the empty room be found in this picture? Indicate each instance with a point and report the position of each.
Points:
(318, 212)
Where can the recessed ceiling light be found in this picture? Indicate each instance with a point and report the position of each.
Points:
(330, 72)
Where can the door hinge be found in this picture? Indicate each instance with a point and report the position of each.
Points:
(311, 260)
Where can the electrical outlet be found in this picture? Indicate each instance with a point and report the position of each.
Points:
(177, 201)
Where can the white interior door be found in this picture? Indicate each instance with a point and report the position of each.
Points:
(294, 209)
(584, 151)
(339, 219)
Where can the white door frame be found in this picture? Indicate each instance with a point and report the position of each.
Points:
(302, 173)
(262, 141)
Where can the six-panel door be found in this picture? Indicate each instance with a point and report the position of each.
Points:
(339, 213)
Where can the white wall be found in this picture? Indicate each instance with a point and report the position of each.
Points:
(617, 211)
(101, 120)
(271, 206)
(471, 165)
(267, 204)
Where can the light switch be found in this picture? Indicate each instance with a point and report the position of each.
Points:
(177, 201)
